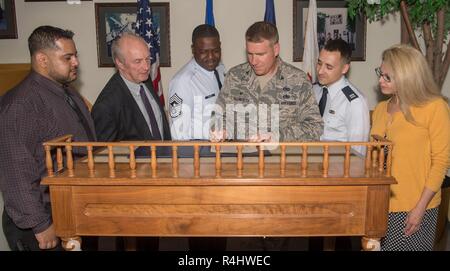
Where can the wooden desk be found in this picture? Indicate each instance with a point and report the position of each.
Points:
(204, 197)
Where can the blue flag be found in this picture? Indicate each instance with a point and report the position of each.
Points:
(148, 29)
(269, 16)
(209, 15)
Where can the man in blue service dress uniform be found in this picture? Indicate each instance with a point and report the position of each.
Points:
(343, 107)
(192, 95)
(194, 89)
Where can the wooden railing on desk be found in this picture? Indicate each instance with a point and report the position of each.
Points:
(375, 155)
(247, 196)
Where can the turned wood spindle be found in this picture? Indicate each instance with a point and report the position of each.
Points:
(196, 161)
(368, 157)
(375, 156)
(304, 160)
(49, 161)
(347, 161)
(325, 161)
(389, 161)
(69, 159)
(59, 158)
(174, 161)
(111, 162)
(132, 162)
(283, 160)
(218, 161)
(381, 159)
(91, 165)
(240, 165)
(153, 160)
(261, 161)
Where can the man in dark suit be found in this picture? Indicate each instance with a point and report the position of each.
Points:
(128, 108)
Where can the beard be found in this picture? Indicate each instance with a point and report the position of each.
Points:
(64, 77)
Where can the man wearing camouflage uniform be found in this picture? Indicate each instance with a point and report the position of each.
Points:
(266, 99)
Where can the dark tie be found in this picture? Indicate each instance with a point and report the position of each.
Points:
(153, 124)
(218, 79)
(323, 101)
(80, 115)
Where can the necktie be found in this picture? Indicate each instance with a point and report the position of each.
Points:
(153, 124)
(218, 79)
(323, 101)
(80, 115)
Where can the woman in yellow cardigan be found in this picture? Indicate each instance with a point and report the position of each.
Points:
(416, 119)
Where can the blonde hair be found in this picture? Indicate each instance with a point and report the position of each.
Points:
(412, 76)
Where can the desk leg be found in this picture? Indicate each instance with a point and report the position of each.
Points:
(370, 244)
(71, 243)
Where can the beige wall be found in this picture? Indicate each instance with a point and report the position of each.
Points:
(232, 19)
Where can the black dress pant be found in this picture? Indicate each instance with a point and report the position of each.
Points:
(21, 239)
(25, 240)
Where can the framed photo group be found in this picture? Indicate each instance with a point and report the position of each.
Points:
(8, 26)
(112, 19)
(333, 22)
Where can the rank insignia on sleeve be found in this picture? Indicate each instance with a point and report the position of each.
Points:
(175, 103)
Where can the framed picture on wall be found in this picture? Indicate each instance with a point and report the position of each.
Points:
(8, 26)
(333, 22)
(112, 19)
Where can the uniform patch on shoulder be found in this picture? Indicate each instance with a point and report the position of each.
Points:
(349, 93)
(175, 103)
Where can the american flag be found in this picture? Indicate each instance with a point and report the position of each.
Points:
(149, 31)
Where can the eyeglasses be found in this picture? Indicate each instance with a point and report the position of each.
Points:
(379, 73)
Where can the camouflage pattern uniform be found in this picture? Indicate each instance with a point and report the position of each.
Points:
(289, 88)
